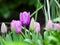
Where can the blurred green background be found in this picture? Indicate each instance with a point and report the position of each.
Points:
(10, 9)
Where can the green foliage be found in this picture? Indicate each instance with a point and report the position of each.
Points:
(12, 38)
(53, 38)
(57, 19)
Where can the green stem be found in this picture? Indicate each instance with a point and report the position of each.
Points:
(27, 30)
(46, 17)
(23, 34)
(36, 11)
(57, 3)
(48, 7)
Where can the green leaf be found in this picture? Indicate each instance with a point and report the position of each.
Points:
(53, 6)
(8, 38)
(21, 38)
(1, 42)
(28, 40)
(40, 37)
(53, 40)
(46, 37)
(57, 19)
(15, 36)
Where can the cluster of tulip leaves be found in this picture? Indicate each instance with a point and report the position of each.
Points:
(52, 37)
(23, 38)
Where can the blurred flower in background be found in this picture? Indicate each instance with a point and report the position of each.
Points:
(49, 24)
(56, 26)
(37, 27)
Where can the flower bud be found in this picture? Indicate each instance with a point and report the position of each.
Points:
(56, 26)
(37, 27)
(32, 24)
(3, 28)
(49, 24)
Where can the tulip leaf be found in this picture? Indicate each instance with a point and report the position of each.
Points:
(0, 42)
(46, 37)
(57, 19)
(21, 38)
(40, 37)
(28, 40)
(53, 38)
(3, 42)
(8, 38)
(15, 36)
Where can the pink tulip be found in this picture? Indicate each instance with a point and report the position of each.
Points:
(16, 25)
(37, 27)
(49, 24)
(3, 28)
(56, 26)
(25, 18)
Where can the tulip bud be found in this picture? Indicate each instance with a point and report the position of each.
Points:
(32, 24)
(25, 18)
(3, 28)
(56, 26)
(49, 24)
(37, 27)
(16, 25)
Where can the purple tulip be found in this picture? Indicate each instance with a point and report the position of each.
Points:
(16, 25)
(3, 28)
(37, 27)
(25, 18)
(56, 26)
(49, 24)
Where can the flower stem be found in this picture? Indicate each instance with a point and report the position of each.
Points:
(57, 3)
(48, 7)
(36, 11)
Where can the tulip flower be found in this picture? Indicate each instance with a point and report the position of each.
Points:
(37, 27)
(32, 24)
(25, 18)
(3, 28)
(49, 24)
(16, 25)
(56, 26)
